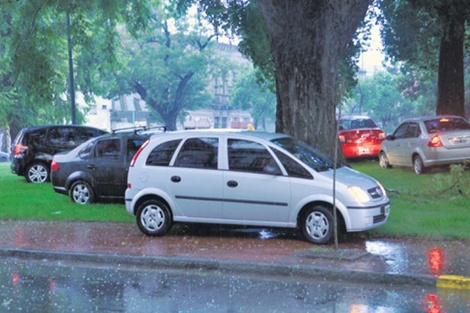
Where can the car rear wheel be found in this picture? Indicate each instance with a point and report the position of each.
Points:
(317, 224)
(153, 218)
(383, 160)
(418, 165)
(82, 193)
(37, 173)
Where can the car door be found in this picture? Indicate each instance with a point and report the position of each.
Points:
(395, 146)
(255, 190)
(195, 181)
(409, 143)
(108, 168)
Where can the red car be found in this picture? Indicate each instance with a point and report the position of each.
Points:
(360, 137)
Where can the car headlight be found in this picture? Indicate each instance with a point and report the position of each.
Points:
(358, 194)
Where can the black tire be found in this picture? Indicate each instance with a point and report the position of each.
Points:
(383, 160)
(317, 225)
(37, 172)
(82, 193)
(418, 165)
(154, 218)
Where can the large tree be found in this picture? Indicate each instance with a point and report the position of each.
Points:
(307, 41)
(35, 37)
(168, 67)
(430, 35)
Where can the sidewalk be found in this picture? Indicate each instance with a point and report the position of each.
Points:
(444, 264)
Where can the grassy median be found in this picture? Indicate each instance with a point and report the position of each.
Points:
(435, 204)
(21, 200)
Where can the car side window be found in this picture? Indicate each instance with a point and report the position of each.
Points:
(85, 153)
(198, 153)
(133, 144)
(249, 156)
(293, 168)
(108, 149)
(401, 131)
(413, 131)
(161, 155)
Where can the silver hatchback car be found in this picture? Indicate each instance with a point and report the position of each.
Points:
(427, 141)
(248, 178)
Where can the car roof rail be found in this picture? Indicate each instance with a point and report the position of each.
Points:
(138, 129)
(127, 129)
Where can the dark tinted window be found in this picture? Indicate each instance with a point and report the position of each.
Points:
(293, 168)
(446, 124)
(198, 153)
(36, 137)
(133, 144)
(249, 156)
(85, 153)
(401, 131)
(413, 131)
(357, 124)
(161, 155)
(108, 149)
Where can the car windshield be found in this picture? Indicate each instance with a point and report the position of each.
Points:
(312, 157)
(446, 124)
(356, 123)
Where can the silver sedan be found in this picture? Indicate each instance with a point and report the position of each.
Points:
(427, 141)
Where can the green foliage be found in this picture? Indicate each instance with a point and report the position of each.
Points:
(34, 43)
(248, 94)
(168, 68)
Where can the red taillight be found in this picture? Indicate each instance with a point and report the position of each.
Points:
(342, 138)
(435, 142)
(20, 149)
(54, 166)
(136, 155)
(382, 136)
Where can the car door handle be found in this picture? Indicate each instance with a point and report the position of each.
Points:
(91, 166)
(232, 184)
(175, 179)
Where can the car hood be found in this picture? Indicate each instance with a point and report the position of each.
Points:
(351, 177)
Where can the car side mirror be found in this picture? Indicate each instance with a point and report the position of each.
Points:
(390, 137)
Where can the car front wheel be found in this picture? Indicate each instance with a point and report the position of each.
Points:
(153, 218)
(418, 165)
(37, 173)
(317, 224)
(383, 160)
(81, 193)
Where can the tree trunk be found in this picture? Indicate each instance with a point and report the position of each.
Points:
(308, 40)
(450, 85)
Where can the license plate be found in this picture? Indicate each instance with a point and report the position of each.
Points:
(363, 150)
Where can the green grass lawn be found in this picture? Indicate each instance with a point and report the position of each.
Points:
(429, 205)
(20, 200)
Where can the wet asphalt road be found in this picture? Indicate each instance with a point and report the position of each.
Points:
(40, 286)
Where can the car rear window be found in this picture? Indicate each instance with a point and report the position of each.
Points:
(446, 124)
(357, 124)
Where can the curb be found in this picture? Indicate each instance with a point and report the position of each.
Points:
(453, 282)
(282, 271)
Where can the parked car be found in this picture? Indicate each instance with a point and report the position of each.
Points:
(248, 178)
(34, 147)
(427, 141)
(4, 157)
(97, 169)
(360, 137)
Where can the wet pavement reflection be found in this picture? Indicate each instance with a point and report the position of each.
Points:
(34, 286)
